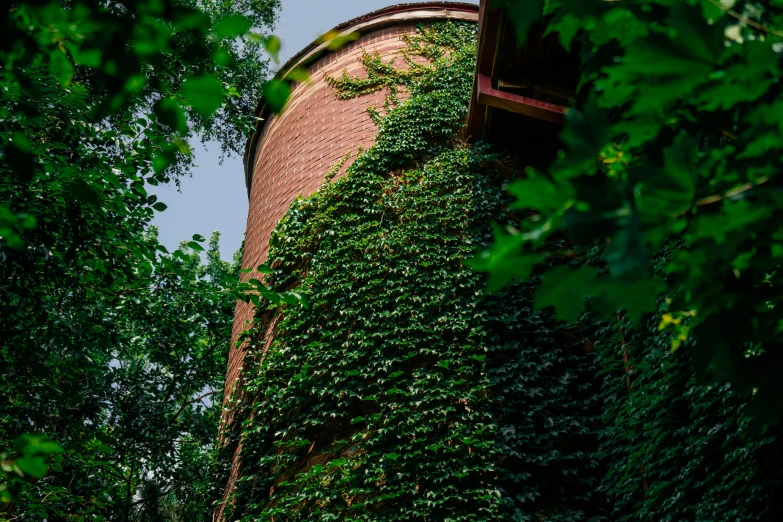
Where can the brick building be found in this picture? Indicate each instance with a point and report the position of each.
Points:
(290, 154)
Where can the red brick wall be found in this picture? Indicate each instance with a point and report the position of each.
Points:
(298, 148)
(295, 151)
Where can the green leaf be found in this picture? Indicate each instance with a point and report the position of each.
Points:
(540, 193)
(195, 246)
(744, 81)
(566, 290)
(21, 142)
(635, 296)
(87, 57)
(668, 192)
(151, 37)
(272, 45)
(291, 298)
(83, 192)
(34, 466)
(265, 269)
(232, 26)
(170, 114)
(60, 67)
(162, 161)
(189, 18)
(566, 28)
(160, 206)
(222, 56)
(586, 134)
(297, 74)
(36, 444)
(335, 40)
(266, 292)
(135, 84)
(199, 238)
(667, 67)
(204, 93)
(504, 260)
(522, 14)
(734, 217)
(626, 254)
(276, 93)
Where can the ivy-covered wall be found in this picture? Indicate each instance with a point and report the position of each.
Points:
(405, 391)
(677, 446)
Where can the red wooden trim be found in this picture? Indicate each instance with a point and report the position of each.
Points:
(519, 104)
(487, 45)
(489, 28)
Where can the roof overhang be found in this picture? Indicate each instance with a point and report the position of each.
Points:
(521, 93)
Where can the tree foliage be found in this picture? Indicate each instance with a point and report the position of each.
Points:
(677, 149)
(112, 349)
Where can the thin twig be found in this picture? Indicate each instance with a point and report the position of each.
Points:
(746, 20)
(214, 392)
(731, 193)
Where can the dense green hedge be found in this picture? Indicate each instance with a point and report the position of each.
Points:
(406, 392)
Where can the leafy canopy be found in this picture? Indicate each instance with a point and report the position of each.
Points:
(677, 147)
(113, 349)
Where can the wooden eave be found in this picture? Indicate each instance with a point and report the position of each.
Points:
(531, 80)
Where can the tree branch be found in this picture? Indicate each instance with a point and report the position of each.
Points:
(214, 392)
(746, 20)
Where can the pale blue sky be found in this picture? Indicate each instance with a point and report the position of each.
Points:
(215, 198)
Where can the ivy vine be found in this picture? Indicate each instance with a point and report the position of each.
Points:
(405, 392)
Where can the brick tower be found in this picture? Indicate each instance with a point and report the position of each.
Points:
(290, 154)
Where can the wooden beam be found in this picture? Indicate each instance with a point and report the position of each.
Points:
(487, 46)
(491, 97)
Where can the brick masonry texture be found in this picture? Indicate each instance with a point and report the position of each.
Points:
(298, 147)
(294, 152)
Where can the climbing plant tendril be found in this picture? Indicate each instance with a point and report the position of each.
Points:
(405, 391)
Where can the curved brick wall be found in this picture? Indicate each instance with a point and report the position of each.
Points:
(296, 149)
(292, 152)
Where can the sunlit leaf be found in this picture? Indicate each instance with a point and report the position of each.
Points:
(232, 26)
(204, 93)
(276, 93)
(335, 40)
(272, 45)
